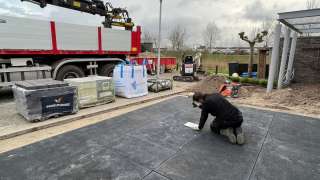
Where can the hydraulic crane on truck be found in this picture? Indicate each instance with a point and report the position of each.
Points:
(113, 16)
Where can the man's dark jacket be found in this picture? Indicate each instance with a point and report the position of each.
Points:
(218, 106)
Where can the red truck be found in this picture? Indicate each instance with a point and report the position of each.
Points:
(33, 49)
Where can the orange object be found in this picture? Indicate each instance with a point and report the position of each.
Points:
(225, 90)
(222, 88)
(228, 90)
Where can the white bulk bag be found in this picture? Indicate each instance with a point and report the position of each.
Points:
(130, 81)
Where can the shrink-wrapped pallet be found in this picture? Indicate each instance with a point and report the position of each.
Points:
(38, 100)
(130, 81)
(93, 90)
(157, 85)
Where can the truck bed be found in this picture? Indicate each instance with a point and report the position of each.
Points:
(22, 36)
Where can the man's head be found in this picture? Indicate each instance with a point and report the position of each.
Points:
(198, 99)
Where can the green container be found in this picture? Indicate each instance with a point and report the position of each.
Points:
(93, 90)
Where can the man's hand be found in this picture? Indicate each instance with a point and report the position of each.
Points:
(196, 104)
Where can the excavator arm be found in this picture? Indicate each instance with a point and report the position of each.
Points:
(113, 16)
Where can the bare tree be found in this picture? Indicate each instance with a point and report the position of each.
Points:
(312, 4)
(177, 37)
(268, 25)
(257, 39)
(150, 37)
(211, 34)
(147, 36)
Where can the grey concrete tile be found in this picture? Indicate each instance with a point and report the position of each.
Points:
(291, 150)
(155, 176)
(42, 160)
(257, 118)
(298, 131)
(147, 154)
(280, 160)
(102, 134)
(105, 164)
(168, 133)
(210, 157)
(126, 146)
(68, 162)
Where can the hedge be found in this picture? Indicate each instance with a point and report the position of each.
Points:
(261, 82)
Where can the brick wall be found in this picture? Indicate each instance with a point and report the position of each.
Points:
(307, 60)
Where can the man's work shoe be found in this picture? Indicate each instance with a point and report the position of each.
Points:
(240, 136)
(229, 133)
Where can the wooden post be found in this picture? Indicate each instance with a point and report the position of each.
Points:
(262, 63)
(217, 69)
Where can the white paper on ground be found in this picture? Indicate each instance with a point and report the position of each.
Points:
(192, 125)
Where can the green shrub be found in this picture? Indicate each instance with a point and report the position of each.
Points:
(263, 82)
(275, 84)
(244, 80)
(210, 72)
(251, 81)
(234, 79)
(256, 81)
(224, 75)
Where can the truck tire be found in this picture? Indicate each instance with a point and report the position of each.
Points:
(69, 71)
(43, 3)
(107, 70)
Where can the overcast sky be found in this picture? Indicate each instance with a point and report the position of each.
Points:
(231, 16)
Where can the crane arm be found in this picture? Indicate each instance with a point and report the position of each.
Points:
(113, 16)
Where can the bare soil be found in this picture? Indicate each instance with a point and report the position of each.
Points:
(208, 85)
(298, 98)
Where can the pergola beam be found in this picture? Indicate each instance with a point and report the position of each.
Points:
(299, 14)
(310, 30)
(306, 23)
(283, 21)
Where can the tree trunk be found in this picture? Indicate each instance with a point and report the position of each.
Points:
(251, 60)
(210, 44)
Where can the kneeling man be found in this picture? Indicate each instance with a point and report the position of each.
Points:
(228, 118)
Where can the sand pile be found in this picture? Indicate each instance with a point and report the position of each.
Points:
(246, 91)
(297, 94)
(210, 84)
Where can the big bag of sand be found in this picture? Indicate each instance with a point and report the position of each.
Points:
(130, 81)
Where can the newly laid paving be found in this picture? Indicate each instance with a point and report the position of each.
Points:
(153, 144)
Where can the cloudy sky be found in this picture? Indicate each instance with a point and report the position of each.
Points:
(231, 16)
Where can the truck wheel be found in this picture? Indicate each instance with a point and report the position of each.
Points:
(69, 71)
(106, 70)
(43, 3)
